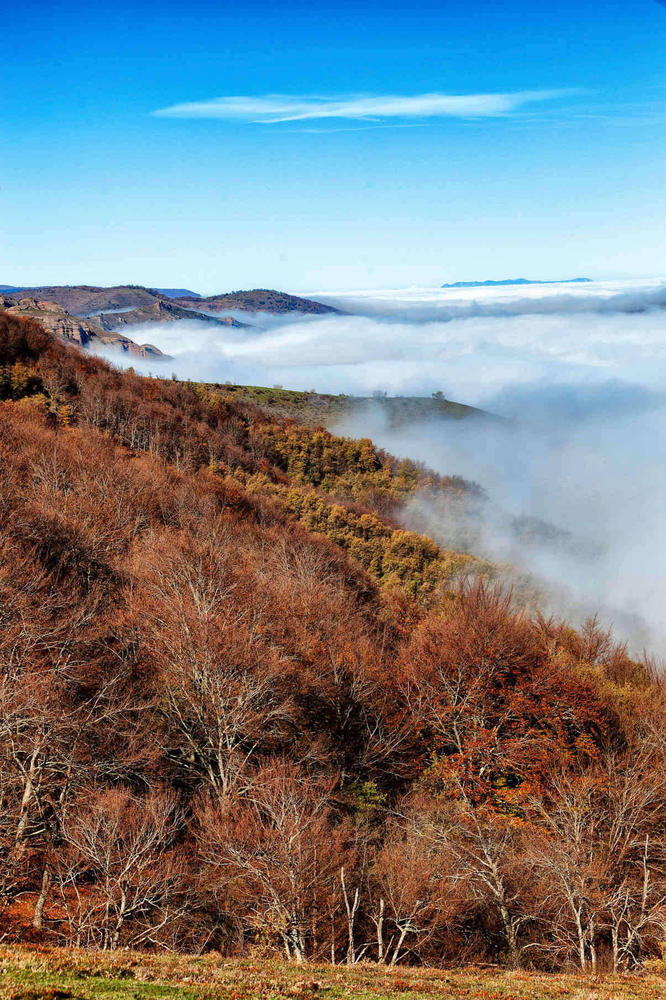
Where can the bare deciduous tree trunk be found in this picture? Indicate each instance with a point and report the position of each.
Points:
(351, 909)
(38, 915)
(380, 932)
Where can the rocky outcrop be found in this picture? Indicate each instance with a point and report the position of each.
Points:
(160, 311)
(74, 329)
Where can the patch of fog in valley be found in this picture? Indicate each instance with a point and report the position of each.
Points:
(575, 472)
(577, 505)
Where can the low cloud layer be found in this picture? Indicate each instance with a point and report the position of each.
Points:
(272, 109)
(473, 346)
(579, 376)
(556, 299)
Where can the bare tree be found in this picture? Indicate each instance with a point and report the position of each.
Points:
(118, 876)
(409, 882)
(219, 683)
(275, 851)
(602, 857)
(351, 909)
(483, 852)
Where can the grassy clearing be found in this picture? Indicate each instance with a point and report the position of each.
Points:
(61, 974)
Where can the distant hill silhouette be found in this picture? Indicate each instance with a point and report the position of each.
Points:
(514, 281)
(177, 293)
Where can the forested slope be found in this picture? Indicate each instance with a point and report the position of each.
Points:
(241, 708)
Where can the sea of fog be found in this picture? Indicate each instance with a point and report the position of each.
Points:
(577, 371)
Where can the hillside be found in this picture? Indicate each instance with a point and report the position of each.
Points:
(244, 711)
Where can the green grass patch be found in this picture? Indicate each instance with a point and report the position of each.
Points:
(62, 974)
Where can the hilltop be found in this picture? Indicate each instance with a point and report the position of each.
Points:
(83, 300)
(260, 300)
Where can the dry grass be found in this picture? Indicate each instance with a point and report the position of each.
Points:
(61, 974)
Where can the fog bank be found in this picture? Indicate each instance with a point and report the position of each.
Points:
(577, 371)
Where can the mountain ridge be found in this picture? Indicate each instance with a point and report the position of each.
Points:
(83, 300)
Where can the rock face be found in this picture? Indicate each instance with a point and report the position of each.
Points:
(74, 329)
(159, 311)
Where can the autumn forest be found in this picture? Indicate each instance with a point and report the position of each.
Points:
(244, 710)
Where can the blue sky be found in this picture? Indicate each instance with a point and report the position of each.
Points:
(371, 148)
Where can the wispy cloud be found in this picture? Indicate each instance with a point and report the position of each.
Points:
(271, 109)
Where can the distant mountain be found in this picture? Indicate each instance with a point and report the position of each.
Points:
(514, 281)
(10, 288)
(177, 293)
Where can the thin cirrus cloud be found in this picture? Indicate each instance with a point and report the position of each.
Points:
(272, 109)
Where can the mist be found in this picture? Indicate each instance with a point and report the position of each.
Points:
(575, 469)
